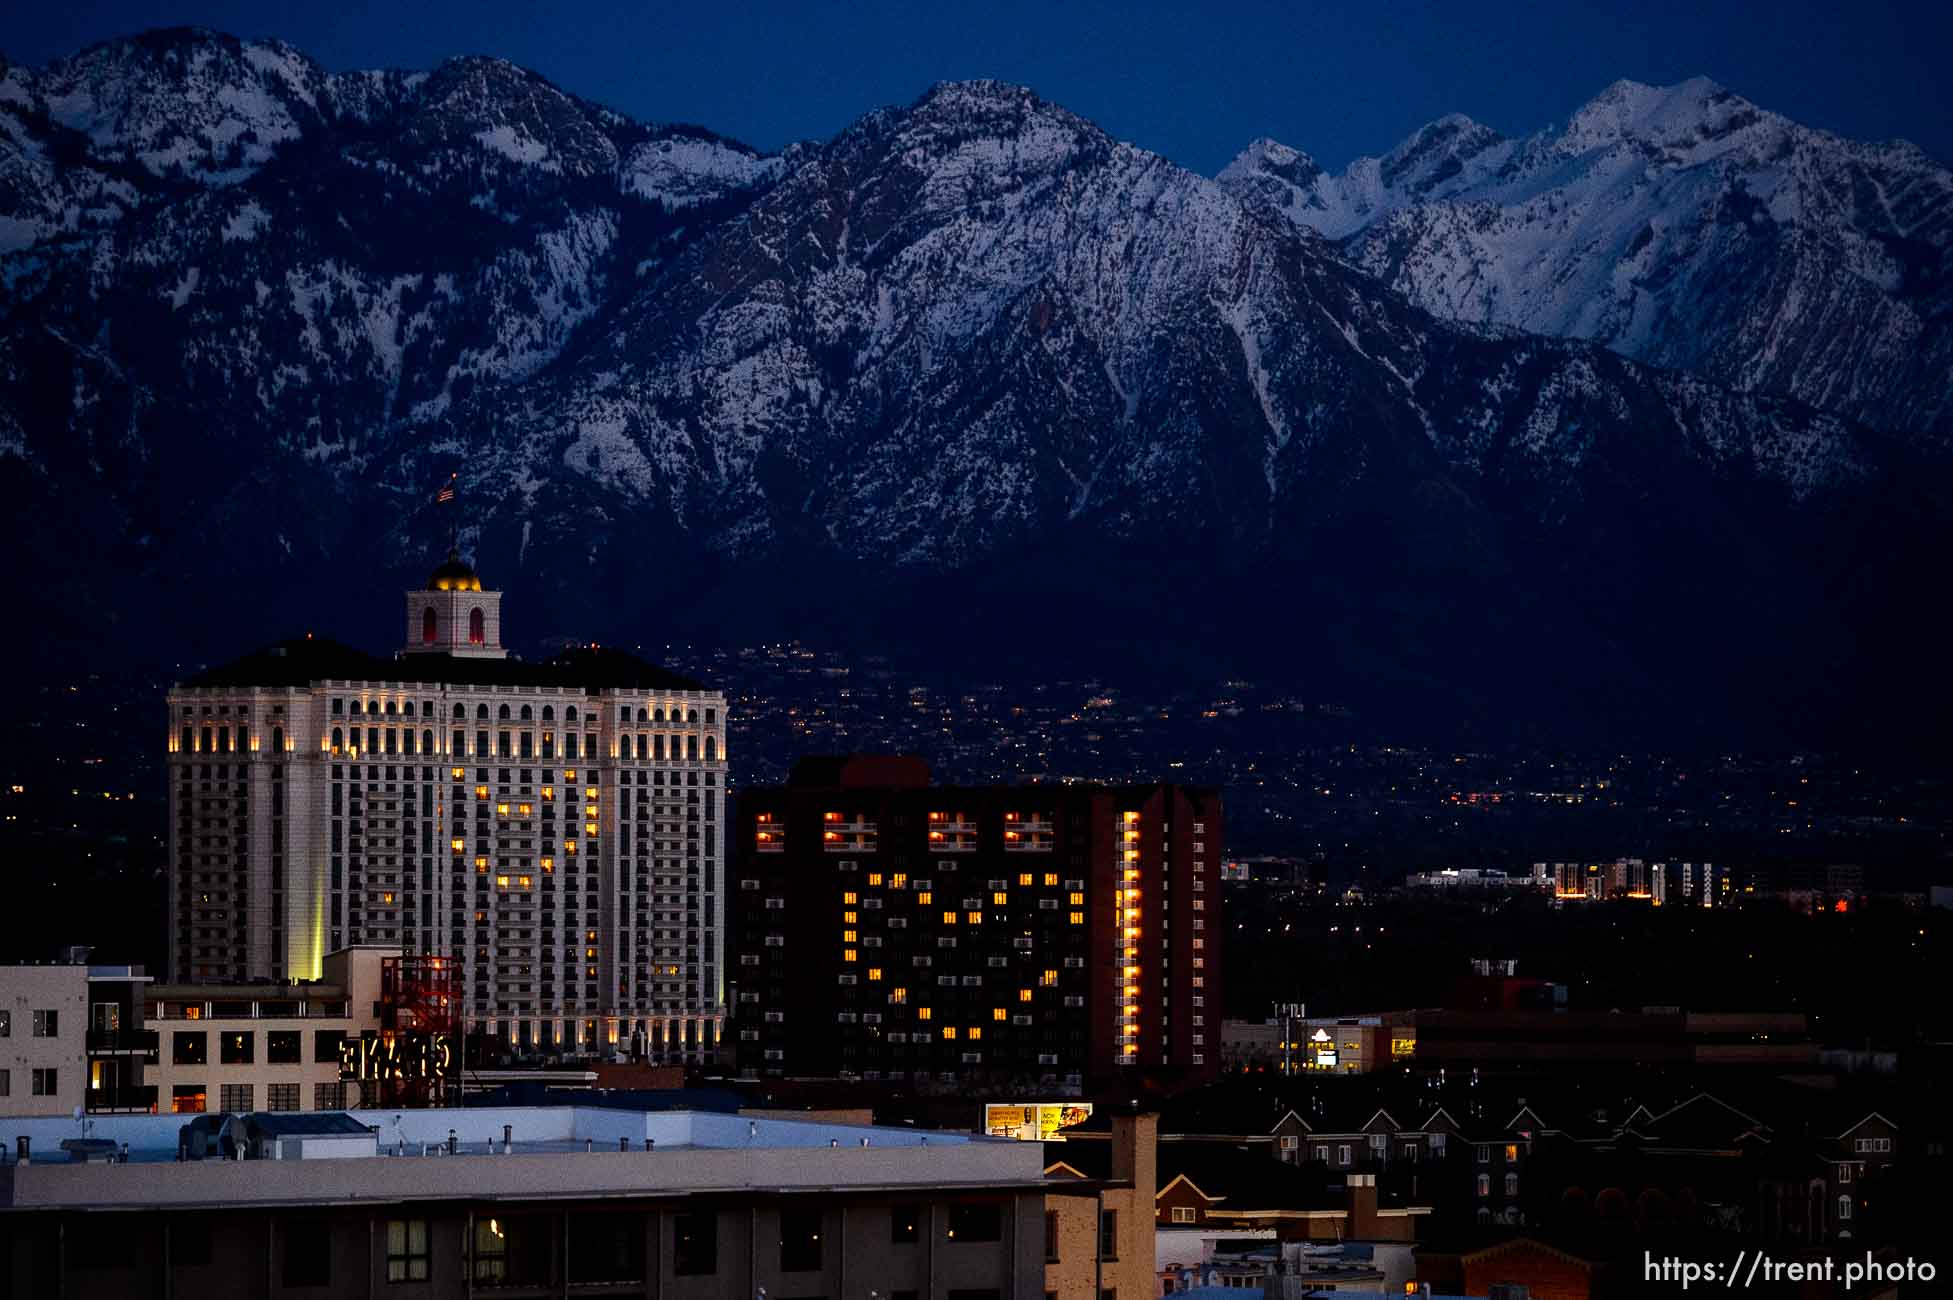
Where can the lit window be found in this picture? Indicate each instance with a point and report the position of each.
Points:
(850, 898)
(923, 1013)
(1078, 918)
(481, 792)
(976, 1031)
(1077, 899)
(949, 1031)
(949, 918)
(874, 877)
(1023, 995)
(848, 936)
(848, 918)
(1025, 879)
(924, 897)
(874, 973)
(1000, 898)
(501, 882)
(998, 1013)
(1050, 879)
(1049, 979)
(898, 995)
(501, 810)
(847, 954)
(974, 918)
(456, 845)
(900, 880)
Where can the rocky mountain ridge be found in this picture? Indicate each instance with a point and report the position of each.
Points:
(1680, 225)
(971, 377)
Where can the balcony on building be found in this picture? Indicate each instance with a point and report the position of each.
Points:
(123, 1042)
(1028, 832)
(139, 1099)
(952, 832)
(847, 833)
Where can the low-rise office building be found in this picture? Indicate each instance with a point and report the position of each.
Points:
(559, 1201)
(247, 1047)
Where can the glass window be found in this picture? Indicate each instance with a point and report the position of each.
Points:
(47, 1024)
(800, 1241)
(281, 1047)
(236, 1098)
(308, 1253)
(187, 1099)
(903, 1225)
(606, 1248)
(190, 1049)
(325, 1045)
(695, 1243)
(237, 1047)
(407, 1253)
(1109, 1234)
(979, 1222)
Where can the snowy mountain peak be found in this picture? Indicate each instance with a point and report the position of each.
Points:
(1688, 114)
(971, 348)
(1436, 154)
(1681, 225)
(1266, 157)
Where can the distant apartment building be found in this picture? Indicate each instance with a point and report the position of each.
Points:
(1033, 936)
(1465, 879)
(555, 828)
(112, 1041)
(1623, 878)
(71, 1036)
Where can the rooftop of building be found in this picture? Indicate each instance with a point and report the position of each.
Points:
(511, 1153)
(307, 660)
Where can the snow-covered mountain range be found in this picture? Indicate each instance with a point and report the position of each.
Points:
(972, 375)
(1679, 225)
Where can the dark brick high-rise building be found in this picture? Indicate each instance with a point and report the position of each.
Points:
(1055, 935)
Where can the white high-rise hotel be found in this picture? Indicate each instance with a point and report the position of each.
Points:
(556, 827)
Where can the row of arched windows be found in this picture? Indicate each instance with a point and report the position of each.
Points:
(389, 741)
(659, 716)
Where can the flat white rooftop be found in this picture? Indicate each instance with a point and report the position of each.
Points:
(547, 1151)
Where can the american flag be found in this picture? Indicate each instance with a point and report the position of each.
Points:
(446, 494)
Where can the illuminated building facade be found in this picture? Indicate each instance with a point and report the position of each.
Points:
(553, 827)
(1041, 935)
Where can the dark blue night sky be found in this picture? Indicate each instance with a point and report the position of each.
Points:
(1193, 82)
